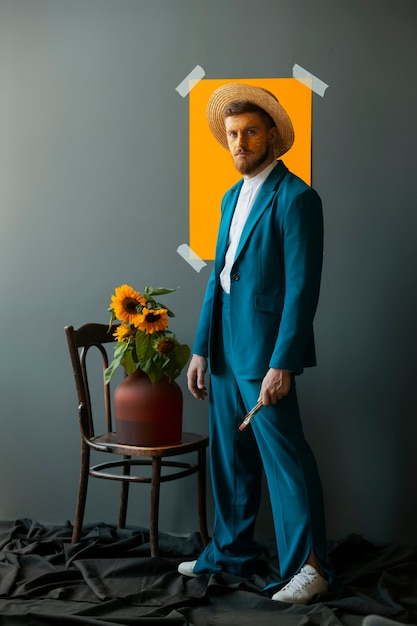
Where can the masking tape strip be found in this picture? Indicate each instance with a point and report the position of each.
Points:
(190, 81)
(191, 257)
(308, 79)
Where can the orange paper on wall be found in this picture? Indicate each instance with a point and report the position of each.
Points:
(212, 171)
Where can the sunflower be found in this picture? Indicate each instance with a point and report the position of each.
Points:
(165, 345)
(125, 303)
(124, 332)
(152, 320)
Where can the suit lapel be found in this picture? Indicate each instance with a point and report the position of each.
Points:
(226, 220)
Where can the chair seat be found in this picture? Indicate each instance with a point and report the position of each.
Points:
(108, 442)
(151, 457)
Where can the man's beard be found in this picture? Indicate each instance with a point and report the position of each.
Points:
(248, 167)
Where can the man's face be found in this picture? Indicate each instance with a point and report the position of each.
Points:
(250, 142)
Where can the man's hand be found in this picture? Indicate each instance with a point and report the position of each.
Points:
(195, 376)
(275, 386)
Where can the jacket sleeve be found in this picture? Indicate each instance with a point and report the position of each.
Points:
(302, 230)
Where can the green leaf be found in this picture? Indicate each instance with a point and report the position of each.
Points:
(109, 372)
(157, 291)
(112, 318)
(171, 371)
(118, 356)
(175, 362)
(144, 350)
(129, 363)
(153, 370)
(181, 355)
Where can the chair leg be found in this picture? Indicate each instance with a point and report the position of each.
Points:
(124, 495)
(155, 489)
(82, 494)
(202, 507)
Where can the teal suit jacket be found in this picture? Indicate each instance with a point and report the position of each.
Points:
(275, 279)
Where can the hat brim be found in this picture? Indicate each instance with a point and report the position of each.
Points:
(226, 94)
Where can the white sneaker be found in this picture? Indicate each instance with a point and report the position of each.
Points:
(302, 587)
(186, 568)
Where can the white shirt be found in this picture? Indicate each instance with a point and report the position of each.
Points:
(247, 197)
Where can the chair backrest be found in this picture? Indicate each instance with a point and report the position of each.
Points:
(80, 342)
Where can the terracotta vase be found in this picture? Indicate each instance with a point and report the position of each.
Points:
(148, 415)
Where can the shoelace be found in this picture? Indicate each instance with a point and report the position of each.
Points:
(300, 581)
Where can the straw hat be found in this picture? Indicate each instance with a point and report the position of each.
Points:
(257, 95)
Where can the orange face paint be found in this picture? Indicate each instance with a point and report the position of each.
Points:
(250, 143)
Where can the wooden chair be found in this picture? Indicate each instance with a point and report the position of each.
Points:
(80, 342)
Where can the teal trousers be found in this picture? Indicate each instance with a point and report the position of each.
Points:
(274, 442)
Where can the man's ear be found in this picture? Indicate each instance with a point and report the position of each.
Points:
(273, 135)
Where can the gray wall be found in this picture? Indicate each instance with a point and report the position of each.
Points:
(94, 193)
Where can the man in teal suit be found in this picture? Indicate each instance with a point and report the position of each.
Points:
(255, 334)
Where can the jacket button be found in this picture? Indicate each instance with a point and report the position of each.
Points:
(235, 277)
